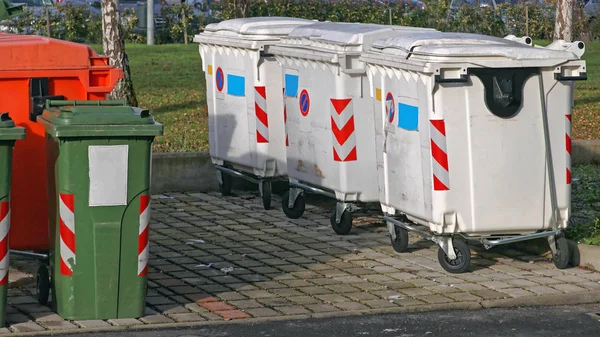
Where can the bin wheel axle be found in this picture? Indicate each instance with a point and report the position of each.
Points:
(462, 261)
(400, 243)
(562, 255)
(42, 285)
(344, 226)
(226, 185)
(297, 210)
(265, 191)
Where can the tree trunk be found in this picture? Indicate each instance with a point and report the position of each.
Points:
(563, 25)
(114, 48)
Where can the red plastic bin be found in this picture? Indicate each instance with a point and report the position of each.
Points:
(31, 69)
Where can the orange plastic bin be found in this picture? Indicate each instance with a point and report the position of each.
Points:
(33, 68)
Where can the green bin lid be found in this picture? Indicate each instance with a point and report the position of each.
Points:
(97, 119)
(8, 131)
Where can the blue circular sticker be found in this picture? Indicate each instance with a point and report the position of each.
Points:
(390, 106)
(220, 79)
(304, 103)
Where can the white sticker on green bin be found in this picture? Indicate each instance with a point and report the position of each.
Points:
(108, 175)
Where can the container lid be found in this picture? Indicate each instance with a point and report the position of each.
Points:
(463, 45)
(97, 118)
(345, 33)
(264, 26)
(8, 131)
(32, 52)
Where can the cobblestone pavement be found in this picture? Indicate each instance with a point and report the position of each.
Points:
(215, 259)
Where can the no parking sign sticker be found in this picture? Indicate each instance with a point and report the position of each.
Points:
(304, 103)
(220, 79)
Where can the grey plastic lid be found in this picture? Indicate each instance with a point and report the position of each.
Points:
(464, 45)
(276, 26)
(347, 33)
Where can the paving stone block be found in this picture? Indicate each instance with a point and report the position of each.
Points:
(216, 306)
(379, 304)
(292, 310)
(263, 312)
(304, 300)
(463, 297)
(125, 322)
(333, 298)
(496, 285)
(46, 317)
(314, 290)
(433, 299)
(489, 294)
(517, 292)
(321, 308)
(189, 317)
(286, 292)
(31, 308)
(26, 327)
(91, 324)
(17, 318)
(297, 283)
(254, 294)
(233, 314)
(274, 302)
(156, 319)
(567, 288)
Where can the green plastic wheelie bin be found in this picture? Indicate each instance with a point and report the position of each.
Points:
(8, 135)
(98, 157)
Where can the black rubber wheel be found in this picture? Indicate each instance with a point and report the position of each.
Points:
(401, 242)
(298, 209)
(266, 194)
(42, 285)
(344, 226)
(225, 187)
(462, 261)
(561, 258)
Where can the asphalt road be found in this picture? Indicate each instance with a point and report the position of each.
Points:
(576, 321)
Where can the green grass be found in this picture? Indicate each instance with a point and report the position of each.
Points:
(169, 80)
(585, 203)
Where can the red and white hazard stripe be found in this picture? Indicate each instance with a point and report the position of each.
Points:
(262, 119)
(439, 154)
(67, 233)
(4, 230)
(144, 236)
(568, 146)
(342, 127)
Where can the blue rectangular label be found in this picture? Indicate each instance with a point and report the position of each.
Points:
(408, 117)
(236, 85)
(291, 85)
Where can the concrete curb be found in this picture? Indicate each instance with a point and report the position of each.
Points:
(588, 297)
(194, 171)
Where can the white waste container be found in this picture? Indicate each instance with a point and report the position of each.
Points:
(244, 97)
(329, 116)
(473, 139)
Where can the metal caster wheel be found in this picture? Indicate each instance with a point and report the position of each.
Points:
(344, 226)
(462, 261)
(561, 258)
(225, 186)
(298, 209)
(400, 243)
(42, 286)
(266, 193)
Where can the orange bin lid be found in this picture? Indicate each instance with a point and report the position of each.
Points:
(32, 52)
